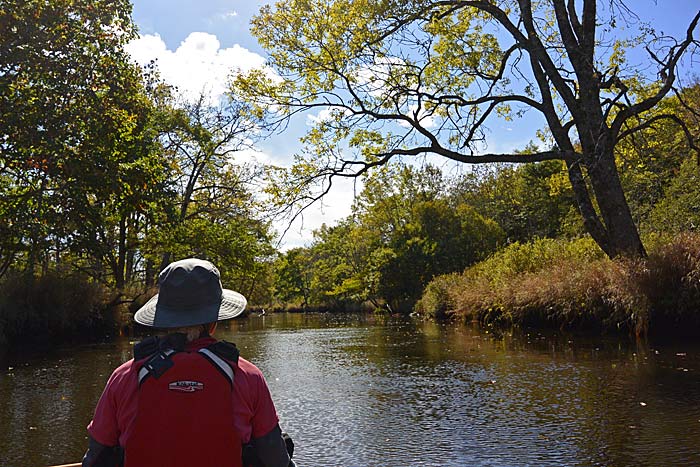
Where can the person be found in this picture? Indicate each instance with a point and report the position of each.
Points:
(187, 399)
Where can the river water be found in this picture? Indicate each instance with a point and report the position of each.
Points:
(365, 391)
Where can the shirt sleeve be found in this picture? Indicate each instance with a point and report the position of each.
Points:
(104, 428)
(265, 415)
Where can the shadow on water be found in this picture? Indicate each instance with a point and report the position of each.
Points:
(380, 391)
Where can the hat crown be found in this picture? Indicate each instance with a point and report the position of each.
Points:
(189, 283)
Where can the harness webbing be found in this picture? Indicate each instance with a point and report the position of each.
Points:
(160, 362)
(222, 365)
(156, 365)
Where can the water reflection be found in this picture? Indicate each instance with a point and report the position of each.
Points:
(377, 391)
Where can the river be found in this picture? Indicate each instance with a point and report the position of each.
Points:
(366, 391)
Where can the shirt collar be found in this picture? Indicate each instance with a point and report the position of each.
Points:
(200, 343)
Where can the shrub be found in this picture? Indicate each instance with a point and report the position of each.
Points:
(571, 284)
(56, 304)
(436, 300)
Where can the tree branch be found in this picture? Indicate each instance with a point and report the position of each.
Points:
(668, 71)
(570, 156)
(648, 123)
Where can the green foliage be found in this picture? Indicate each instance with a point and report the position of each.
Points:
(76, 154)
(293, 277)
(526, 201)
(436, 301)
(539, 254)
(106, 170)
(342, 265)
(403, 232)
(650, 162)
(679, 209)
(435, 240)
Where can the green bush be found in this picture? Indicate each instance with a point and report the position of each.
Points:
(436, 300)
(518, 258)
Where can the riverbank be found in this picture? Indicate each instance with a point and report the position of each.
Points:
(571, 285)
(56, 307)
(547, 283)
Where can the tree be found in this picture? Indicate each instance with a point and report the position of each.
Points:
(201, 138)
(419, 232)
(409, 78)
(436, 239)
(527, 201)
(74, 148)
(207, 209)
(293, 276)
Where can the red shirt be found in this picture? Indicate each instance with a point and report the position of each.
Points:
(254, 412)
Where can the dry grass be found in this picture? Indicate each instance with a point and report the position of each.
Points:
(580, 290)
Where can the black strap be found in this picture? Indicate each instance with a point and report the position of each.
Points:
(146, 347)
(225, 350)
(222, 355)
(155, 366)
(150, 345)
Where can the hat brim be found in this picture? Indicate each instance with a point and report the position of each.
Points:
(154, 315)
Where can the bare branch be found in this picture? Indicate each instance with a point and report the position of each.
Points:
(570, 156)
(668, 73)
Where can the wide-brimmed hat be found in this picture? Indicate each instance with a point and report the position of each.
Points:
(190, 293)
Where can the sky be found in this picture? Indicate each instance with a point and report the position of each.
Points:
(198, 43)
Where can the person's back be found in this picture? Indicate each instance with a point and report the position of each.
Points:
(186, 399)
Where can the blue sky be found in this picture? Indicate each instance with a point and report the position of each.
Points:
(198, 42)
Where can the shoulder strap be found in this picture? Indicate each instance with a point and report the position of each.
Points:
(226, 350)
(153, 344)
(146, 347)
(155, 366)
(224, 356)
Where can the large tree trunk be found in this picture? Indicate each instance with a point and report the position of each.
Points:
(622, 233)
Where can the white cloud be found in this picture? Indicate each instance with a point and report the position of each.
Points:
(327, 114)
(424, 118)
(198, 65)
(252, 156)
(336, 205)
(323, 116)
(227, 15)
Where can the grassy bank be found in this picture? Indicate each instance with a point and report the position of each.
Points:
(57, 307)
(569, 284)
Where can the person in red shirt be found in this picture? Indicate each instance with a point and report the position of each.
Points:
(186, 399)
